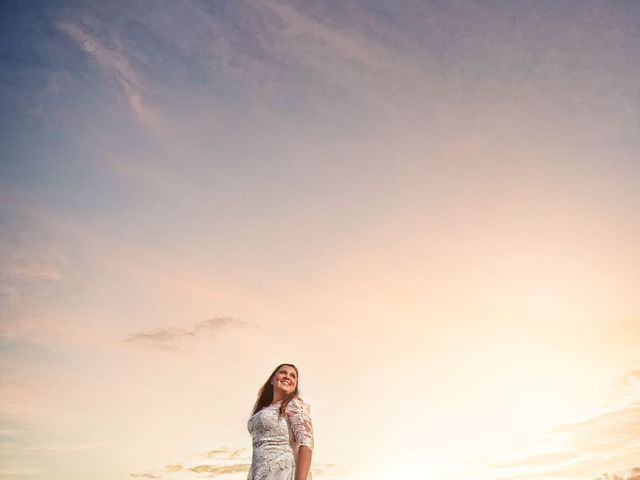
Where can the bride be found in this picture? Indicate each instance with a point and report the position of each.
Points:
(281, 429)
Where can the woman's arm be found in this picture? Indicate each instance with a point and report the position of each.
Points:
(298, 413)
(303, 465)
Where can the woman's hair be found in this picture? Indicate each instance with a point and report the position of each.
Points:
(265, 394)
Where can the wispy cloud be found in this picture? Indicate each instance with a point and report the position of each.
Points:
(327, 42)
(342, 57)
(220, 469)
(173, 468)
(328, 469)
(633, 474)
(27, 267)
(117, 67)
(33, 262)
(629, 385)
(261, 48)
(225, 452)
(25, 253)
(170, 338)
(282, 49)
(608, 439)
(227, 461)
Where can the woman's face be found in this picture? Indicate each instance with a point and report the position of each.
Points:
(285, 379)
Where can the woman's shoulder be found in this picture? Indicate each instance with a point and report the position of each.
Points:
(297, 403)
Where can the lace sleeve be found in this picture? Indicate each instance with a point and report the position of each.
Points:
(298, 413)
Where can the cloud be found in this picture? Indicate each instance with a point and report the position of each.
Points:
(29, 266)
(328, 43)
(33, 265)
(225, 453)
(173, 468)
(117, 67)
(629, 384)
(327, 469)
(25, 252)
(633, 474)
(608, 440)
(341, 57)
(170, 338)
(220, 469)
(227, 461)
(263, 49)
(279, 49)
(43, 264)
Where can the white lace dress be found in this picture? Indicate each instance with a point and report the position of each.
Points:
(276, 440)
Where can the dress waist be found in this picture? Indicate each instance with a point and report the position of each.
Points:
(271, 444)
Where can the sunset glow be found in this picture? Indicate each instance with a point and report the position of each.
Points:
(431, 208)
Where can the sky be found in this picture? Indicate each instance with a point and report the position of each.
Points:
(431, 208)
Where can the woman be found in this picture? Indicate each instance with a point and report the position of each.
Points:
(281, 429)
